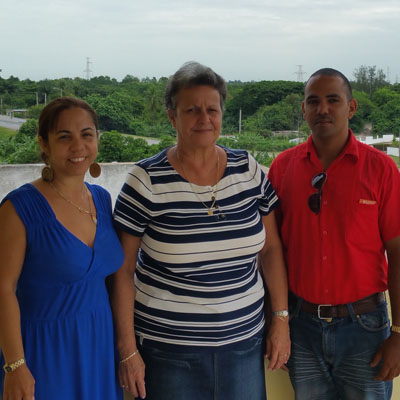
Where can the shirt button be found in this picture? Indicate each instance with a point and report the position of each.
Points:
(324, 258)
(324, 233)
(325, 202)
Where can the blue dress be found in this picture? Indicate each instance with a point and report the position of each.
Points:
(66, 320)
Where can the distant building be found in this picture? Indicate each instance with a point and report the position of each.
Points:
(21, 111)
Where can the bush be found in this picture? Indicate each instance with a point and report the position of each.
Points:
(27, 152)
(28, 128)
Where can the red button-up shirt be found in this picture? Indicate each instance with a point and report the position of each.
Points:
(338, 255)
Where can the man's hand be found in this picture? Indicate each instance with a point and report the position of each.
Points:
(390, 354)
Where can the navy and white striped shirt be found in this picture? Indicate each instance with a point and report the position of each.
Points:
(196, 277)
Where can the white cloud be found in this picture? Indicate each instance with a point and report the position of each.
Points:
(247, 40)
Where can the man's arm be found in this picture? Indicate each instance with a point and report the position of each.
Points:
(390, 350)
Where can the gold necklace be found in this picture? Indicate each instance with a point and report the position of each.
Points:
(80, 209)
(214, 191)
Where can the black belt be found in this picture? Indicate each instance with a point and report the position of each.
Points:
(327, 311)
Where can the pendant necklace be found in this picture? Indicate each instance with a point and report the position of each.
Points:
(80, 209)
(214, 190)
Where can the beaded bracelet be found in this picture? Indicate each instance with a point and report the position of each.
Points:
(128, 357)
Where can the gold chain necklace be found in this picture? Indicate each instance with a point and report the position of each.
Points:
(80, 209)
(214, 191)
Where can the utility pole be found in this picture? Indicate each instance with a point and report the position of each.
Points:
(88, 71)
(37, 98)
(240, 120)
(1, 100)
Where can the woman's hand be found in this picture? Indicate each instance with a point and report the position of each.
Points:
(131, 376)
(278, 343)
(19, 384)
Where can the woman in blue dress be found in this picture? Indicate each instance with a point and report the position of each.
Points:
(57, 246)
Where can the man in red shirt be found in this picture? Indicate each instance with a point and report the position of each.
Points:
(339, 214)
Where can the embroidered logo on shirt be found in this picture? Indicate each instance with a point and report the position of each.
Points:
(368, 202)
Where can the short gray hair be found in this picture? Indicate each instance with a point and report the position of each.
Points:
(192, 74)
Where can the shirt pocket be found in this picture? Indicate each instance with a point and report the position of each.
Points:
(362, 224)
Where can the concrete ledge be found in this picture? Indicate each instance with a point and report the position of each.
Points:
(112, 176)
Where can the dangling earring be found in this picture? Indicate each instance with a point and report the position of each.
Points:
(47, 173)
(95, 170)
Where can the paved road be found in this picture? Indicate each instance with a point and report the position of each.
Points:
(11, 123)
(15, 123)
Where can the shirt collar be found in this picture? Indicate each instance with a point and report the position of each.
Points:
(350, 149)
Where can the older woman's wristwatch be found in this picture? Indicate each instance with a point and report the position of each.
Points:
(281, 313)
(13, 366)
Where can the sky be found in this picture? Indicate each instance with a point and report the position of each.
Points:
(249, 40)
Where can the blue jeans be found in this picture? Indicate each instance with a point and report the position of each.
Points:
(221, 375)
(330, 360)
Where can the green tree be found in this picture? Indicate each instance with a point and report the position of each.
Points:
(369, 79)
(111, 147)
(304, 129)
(276, 117)
(115, 146)
(166, 141)
(254, 95)
(135, 149)
(383, 96)
(284, 115)
(365, 107)
(385, 116)
(34, 111)
(111, 113)
(45, 89)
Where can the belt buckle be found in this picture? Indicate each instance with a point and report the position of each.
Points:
(327, 319)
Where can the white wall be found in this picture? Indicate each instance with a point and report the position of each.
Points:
(392, 151)
(112, 176)
(372, 140)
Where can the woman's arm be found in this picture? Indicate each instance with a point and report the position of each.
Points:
(275, 276)
(131, 371)
(18, 384)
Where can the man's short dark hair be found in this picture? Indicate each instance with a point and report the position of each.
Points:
(333, 72)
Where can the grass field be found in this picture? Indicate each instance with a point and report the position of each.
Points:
(395, 159)
(5, 132)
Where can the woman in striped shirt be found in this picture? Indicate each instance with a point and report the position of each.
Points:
(189, 299)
